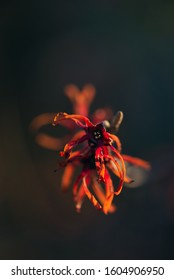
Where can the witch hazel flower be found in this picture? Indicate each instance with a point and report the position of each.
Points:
(100, 154)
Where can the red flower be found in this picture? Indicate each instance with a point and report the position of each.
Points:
(99, 140)
(86, 183)
(98, 155)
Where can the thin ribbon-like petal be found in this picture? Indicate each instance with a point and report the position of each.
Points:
(98, 190)
(108, 203)
(67, 176)
(123, 169)
(111, 164)
(50, 142)
(81, 121)
(91, 197)
(108, 184)
(109, 192)
(120, 174)
(137, 161)
(72, 144)
(77, 156)
(79, 198)
(41, 120)
(76, 184)
(81, 192)
(117, 141)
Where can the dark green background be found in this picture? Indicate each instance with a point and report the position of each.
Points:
(126, 49)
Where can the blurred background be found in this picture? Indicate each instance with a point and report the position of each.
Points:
(125, 49)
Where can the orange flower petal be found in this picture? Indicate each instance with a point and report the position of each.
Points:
(111, 164)
(72, 144)
(137, 161)
(89, 93)
(41, 120)
(108, 183)
(49, 142)
(120, 173)
(108, 203)
(71, 91)
(67, 176)
(109, 192)
(116, 140)
(76, 184)
(101, 195)
(78, 119)
(123, 173)
(91, 196)
(79, 198)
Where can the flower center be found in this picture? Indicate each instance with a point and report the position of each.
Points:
(97, 134)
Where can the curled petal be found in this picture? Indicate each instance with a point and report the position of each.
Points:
(74, 157)
(109, 192)
(81, 192)
(44, 120)
(81, 121)
(42, 139)
(98, 190)
(120, 173)
(79, 198)
(67, 176)
(73, 143)
(108, 203)
(108, 184)
(41, 120)
(91, 196)
(137, 161)
(117, 141)
(76, 184)
(123, 169)
(111, 164)
(50, 142)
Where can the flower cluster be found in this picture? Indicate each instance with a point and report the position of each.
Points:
(93, 145)
(99, 154)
